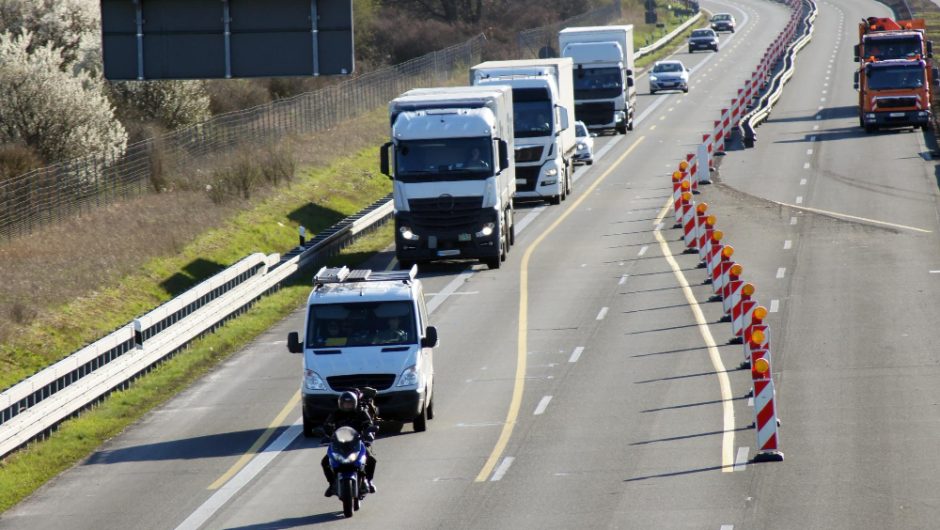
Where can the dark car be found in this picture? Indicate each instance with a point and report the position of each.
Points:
(703, 39)
(723, 22)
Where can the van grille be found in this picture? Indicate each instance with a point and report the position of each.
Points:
(376, 381)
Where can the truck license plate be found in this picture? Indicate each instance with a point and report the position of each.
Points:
(520, 181)
(896, 114)
(463, 237)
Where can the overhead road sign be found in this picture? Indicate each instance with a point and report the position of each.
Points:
(221, 39)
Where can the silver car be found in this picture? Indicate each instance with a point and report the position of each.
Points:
(585, 149)
(669, 75)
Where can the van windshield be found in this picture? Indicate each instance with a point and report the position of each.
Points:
(361, 324)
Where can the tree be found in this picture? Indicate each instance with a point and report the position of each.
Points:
(57, 113)
(66, 24)
(172, 103)
(449, 11)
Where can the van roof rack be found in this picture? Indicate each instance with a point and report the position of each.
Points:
(343, 275)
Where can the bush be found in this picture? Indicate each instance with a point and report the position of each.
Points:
(227, 95)
(170, 103)
(16, 160)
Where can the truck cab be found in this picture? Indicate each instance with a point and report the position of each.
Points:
(365, 328)
(451, 162)
(543, 117)
(894, 93)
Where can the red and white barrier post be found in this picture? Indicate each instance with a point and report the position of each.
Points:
(765, 412)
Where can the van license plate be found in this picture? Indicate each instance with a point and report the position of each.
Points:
(452, 252)
(463, 237)
(896, 114)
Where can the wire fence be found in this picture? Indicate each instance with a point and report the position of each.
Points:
(543, 41)
(54, 193)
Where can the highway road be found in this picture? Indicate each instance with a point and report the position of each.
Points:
(576, 386)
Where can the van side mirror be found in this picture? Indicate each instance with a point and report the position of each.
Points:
(430, 338)
(293, 343)
(383, 159)
(856, 51)
(503, 155)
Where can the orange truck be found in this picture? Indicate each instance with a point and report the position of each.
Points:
(896, 73)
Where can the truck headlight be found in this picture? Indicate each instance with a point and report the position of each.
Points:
(870, 116)
(312, 381)
(409, 377)
(406, 233)
(551, 172)
(487, 230)
(923, 114)
(620, 115)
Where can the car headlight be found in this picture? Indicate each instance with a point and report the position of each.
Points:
(409, 377)
(653, 78)
(406, 233)
(312, 381)
(582, 146)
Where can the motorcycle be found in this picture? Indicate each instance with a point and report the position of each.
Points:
(347, 457)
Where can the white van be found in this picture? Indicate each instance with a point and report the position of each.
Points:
(367, 329)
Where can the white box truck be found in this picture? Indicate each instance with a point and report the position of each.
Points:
(367, 329)
(604, 95)
(451, 162)
(543, 122)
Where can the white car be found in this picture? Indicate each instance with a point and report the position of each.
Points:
(585, 150)
(669, 75)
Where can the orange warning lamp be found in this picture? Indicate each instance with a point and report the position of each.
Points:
(686, 185)
(727, 252)
(683, 165)
(736, 270)
(757, 337)
(717, 235)
(701, 208)
(686, 196)
(760, 313)
(761, 366)
(711, 220)
(748, 289)
(676, 176)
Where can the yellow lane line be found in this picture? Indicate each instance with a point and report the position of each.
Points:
(847, 216)
(519, 385)
(727, 405)
(259, 443)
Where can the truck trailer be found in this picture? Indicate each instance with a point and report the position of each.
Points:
(543, 122)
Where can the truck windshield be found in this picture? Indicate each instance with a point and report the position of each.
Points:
(895, 78)
(361, 324)
(598, 83)
(899, 48)
(532, 112)
(444, 159)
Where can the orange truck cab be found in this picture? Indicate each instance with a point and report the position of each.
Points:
(896, 75)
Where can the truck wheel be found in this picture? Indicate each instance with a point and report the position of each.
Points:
(622, 129)
(431, 408)
(308, 428)
(405, 264)
(503, 247)
(629, 128)
(512, 227)
(923, 127)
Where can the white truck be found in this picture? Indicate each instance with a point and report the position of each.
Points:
(367, 329)
(543, 122)
(451, 162)
(604, 95)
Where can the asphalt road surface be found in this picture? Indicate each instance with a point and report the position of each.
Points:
(588, 382)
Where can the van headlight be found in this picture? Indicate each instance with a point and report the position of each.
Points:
(409, 377)
(312, 381)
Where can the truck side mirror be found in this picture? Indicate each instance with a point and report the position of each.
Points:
(293, 343)
(929, 49)
(383, 159)
(503, 156)
(856, 51)
(430, 338)
(562, 118)
(855, 83)
(629, 72)
(630, 81)
(935, 74)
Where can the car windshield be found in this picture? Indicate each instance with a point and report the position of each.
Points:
(721, 17)
(361, 324)
(444, 159)
(702, 33)
(896, 77)
(580, 130)
(667, 67)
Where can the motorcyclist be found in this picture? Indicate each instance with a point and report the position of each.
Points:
(349, 413)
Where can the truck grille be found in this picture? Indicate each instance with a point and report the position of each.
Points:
(529, 154)
(376, 381)
(896, 102)
(600, 113)
(446, 212)
(531, 176)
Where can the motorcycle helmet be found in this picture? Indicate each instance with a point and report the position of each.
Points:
(347, 401)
